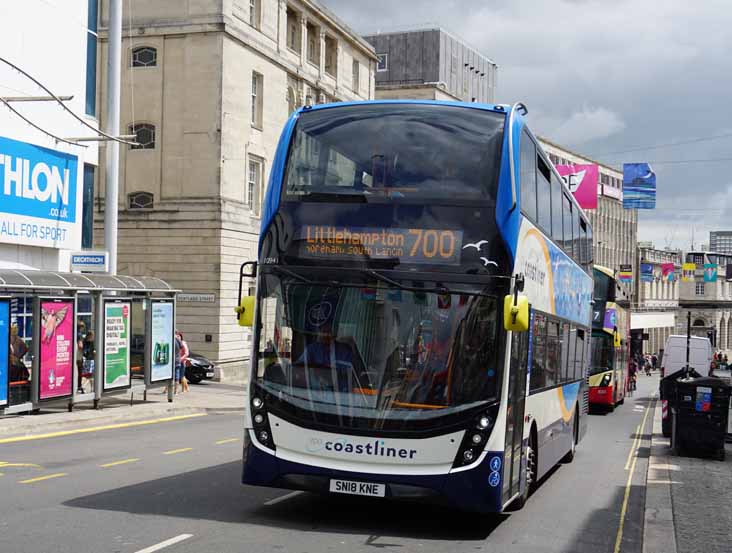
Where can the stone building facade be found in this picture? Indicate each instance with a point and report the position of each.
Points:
(207, 87)
(710, 303)
(657, 302)
(431, 64)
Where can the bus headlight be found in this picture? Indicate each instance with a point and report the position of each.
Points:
(476, 437)
(262, 431)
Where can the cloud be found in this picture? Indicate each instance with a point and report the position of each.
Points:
(603, 76)
(588, 124)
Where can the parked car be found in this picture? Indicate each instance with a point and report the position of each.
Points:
(199, 368)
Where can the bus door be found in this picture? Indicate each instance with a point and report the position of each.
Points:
(514, 451)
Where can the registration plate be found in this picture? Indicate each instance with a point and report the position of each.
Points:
(210, 374)
(601, 392)
(358, 488)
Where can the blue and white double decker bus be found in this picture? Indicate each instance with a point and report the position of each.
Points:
(421, 320)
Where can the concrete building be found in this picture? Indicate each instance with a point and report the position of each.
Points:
(431, 64)
(207, 87)
(720, 241)
(709, 301)
(656, 306)
(46, 199)
(615, 230)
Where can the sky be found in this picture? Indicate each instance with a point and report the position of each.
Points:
(603, 77)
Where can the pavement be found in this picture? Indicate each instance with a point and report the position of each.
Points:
(175, 486)
(688, 500)
(206, 397)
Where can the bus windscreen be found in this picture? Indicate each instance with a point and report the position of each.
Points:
(376, 352)
(395, 151)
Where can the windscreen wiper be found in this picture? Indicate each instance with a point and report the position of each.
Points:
(440, 289)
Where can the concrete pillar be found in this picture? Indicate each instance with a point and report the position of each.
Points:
(282, 25)
(303, 40)
(321, 61)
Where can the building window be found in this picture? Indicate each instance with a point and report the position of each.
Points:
(293, 30)
(355, 76)
(254, 185)
(331, 56)
(383, 62)
(140, 200)
(90, 107)
(87, 213)
(699, 288)
(257, 99)
(254, 14)
(144, 136)
(145, 56)
(313, 44)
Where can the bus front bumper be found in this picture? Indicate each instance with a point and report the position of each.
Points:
(602, 395)
(472, 490)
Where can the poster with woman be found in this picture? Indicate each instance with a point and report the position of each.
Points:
(4, 350)
(56, 378)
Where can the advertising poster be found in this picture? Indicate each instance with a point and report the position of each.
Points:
(639, 186)
(646, 272)
(4, 350)
(116, 345)
(163, 346)
(625, 274)
(687, 271)
(710, 272)
(56, 377)
(582, 182)
(668, 271)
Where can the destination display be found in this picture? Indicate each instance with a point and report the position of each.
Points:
(433, 246)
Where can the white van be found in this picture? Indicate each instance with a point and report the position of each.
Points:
(674, 354)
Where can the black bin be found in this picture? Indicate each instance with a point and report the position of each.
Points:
(667, 394)
(700, 416)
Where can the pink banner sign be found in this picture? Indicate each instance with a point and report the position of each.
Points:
(582, 181)
(57, 349)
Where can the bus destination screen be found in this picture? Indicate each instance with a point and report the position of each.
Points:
(409, 245)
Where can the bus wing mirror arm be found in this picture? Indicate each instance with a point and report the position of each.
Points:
(244, 311)
(516, 308)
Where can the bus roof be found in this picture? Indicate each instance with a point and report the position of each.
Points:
(497, 108)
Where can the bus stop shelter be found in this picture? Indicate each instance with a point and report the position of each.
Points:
(73, 337)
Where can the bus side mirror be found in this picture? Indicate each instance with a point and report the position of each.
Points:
(245, 311)
(516, 313)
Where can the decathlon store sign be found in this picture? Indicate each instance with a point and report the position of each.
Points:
(39, 196)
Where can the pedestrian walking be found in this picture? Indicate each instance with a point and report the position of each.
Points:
(181, 359)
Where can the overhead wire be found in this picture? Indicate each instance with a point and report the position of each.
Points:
(666, 145)
(63, 106)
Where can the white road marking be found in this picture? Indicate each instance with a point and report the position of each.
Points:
(166, 543)
(276, 500)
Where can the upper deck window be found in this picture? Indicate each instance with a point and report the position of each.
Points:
(395, 152)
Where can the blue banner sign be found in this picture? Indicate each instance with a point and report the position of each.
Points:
(4, 350)
(639, 186)
(91, 262)
(38, 195)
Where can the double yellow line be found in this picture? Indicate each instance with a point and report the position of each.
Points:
(630, 464)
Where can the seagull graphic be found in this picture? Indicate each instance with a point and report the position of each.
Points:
(487, 262)
(476, 245)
